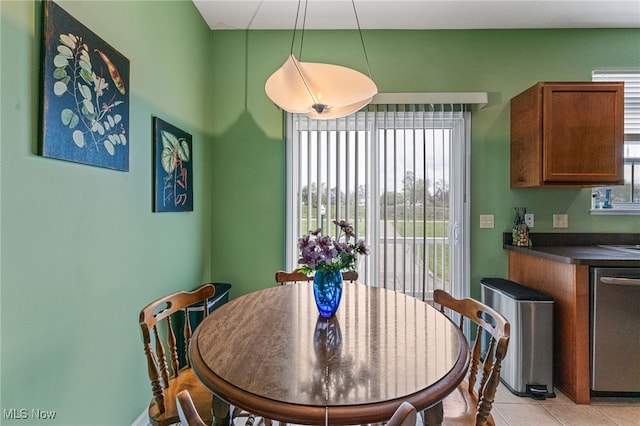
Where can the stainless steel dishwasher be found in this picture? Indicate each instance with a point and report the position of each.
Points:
(615, 331)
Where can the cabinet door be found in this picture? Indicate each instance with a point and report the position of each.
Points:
(583, 133)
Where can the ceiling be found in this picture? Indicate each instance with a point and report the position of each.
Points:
(421, 14)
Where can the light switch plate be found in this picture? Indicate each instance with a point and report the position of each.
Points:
(486, 221)
(560, 221)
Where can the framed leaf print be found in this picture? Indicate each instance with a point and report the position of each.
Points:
(84, 103)
(173, 168)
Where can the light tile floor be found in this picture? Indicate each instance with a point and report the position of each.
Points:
(512, 410)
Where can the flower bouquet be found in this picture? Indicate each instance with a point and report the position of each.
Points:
(327, 257)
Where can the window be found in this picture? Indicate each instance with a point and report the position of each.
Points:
(626, 198)
(399, 175)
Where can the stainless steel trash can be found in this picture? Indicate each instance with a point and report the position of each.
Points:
(527, 370)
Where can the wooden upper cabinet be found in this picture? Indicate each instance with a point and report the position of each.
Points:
(568, 134)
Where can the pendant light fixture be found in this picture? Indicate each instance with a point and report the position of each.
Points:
(320, 91)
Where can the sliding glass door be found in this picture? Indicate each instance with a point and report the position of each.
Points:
(399, 175)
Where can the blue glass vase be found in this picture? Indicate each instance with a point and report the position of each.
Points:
(327, 291)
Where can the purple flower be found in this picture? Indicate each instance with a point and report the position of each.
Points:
(348, 230)
(329, 252)
(303, 242)
(323, 241)
(362, 247)
(321, 252)
(343, 248)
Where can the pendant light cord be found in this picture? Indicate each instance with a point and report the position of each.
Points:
(304, 25)
(321, 107)
(293, 39)
(366, 58)
(295, 27)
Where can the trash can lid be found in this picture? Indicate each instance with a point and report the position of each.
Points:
(514, 290)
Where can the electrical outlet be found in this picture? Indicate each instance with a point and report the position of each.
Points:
(528, 219)
(486, 221)
(560, 220)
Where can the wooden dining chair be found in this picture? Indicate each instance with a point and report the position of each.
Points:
(283, 277)
(350, 276)
(187, 410)
(471, 402)
(405, 415)
(160, 346)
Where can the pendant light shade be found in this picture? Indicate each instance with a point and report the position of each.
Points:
(321, 91)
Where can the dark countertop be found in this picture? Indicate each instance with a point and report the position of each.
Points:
(580, 249)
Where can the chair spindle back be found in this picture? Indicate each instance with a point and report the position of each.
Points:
(157, 317)
(482, 379)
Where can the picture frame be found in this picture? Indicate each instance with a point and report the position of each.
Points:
(173, 168)
(84, 96)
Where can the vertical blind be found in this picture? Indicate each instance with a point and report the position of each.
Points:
(631, 79)
(397, 173)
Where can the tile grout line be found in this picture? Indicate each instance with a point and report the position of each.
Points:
(606, 416)
(551, 414)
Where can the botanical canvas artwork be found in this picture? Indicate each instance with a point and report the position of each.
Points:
(173, 168)
(85, 94)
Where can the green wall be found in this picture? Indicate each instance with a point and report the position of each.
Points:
(248, 129)
(81, 250)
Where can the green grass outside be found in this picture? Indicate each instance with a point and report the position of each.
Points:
(434, 228)
(437, 260)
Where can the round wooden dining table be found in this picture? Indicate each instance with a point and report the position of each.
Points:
(270, 353)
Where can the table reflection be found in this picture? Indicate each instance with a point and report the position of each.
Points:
(334, 376)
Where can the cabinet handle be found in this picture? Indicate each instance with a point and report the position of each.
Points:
(621, 281)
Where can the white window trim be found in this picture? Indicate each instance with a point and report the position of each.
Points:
(632, 121)
(619, 209)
